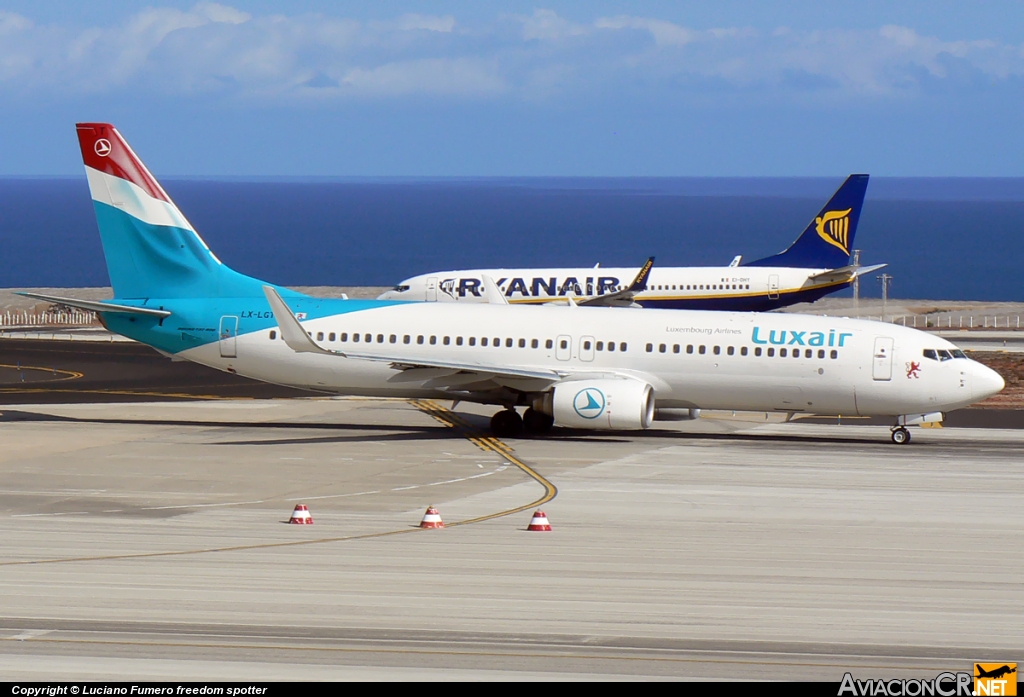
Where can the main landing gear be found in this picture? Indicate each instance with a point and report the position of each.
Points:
(900, 435)
(508, 424)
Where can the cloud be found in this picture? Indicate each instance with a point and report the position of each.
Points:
(216, 49)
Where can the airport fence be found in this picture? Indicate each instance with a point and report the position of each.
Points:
(959, 321)
(24, 318)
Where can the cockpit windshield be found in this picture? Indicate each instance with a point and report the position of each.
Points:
(400, 289)
(943, 354)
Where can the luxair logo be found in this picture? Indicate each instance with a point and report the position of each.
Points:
(589, 403)
(995, 679)
(834, 228)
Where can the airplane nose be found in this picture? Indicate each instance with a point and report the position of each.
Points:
(987, 382)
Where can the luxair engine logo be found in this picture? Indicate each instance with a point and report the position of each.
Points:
(589, 403)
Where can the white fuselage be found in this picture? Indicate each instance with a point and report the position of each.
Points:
(665, 285)
(692, 359)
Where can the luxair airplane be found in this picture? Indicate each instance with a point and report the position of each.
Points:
(816, 264)
(602, 368)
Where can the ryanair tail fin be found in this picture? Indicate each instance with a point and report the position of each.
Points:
(827, 241)
(151, 250)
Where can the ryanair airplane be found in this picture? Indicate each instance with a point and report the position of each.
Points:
(816, 264)
(588, 369)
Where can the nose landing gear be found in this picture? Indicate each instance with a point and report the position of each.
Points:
(900, 435)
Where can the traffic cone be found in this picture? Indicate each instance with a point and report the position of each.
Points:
(539, 522)
(301, 516)
(431, 519)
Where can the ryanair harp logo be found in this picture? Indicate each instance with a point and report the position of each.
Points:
(834, 228)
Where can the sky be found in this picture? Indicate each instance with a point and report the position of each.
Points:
(556, 88)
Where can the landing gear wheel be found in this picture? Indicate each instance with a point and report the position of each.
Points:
(900, 436)
(537, 422)
(506, 424)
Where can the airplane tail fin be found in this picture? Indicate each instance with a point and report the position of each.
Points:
(151, 249)
(827, 241)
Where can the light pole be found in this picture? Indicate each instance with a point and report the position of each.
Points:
(886, 281)
(855, 262)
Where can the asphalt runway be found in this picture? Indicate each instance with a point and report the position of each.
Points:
(147, 540)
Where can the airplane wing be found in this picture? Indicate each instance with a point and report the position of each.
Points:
(94, 306)
(437, 373)
(622, 298)
(845, 273)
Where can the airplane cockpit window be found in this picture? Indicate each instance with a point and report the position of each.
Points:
(957, 353)
(400, 289)
(930, 353)
(944, 355)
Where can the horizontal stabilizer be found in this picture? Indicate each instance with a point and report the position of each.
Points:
(97, 306)
(845, 273)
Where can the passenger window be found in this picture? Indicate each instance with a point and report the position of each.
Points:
(534, 343)
(808, 353)
(406, 339)
(273, 334)
(661, 348)
(496, 343)
(718, 350)
(701, 349)
(611, 345)
(331, 336)
(433, 340)
(419, 339)
(622, 346)
(483, 341)
(586, 345)
(782, 353)
(730, 350)
(549, 344)
(600, 346)
(743, 350)
(771, 352)
(650, 347)
(344, 336)
(564, 344)
(522, 343)
(447, 340)
(821, 353)
(458, 341)
(689, 348)
(757, 350)
(508, 343)
(472, 341)
(675, 348)
(380, 338)
(835, 354)
(355, 338)
(319, 336)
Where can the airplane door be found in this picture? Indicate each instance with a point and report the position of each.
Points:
(881, 368)
(432, 290)
(563, 348)
(228, 336)
(773, 286)
(586, 348)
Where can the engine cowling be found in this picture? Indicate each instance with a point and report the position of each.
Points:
(602, 404)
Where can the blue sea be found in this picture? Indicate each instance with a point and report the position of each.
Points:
(942, 238)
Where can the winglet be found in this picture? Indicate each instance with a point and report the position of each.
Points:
(494, 294)
(291, 331)
(640, 282)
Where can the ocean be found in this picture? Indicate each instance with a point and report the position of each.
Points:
(956, 239)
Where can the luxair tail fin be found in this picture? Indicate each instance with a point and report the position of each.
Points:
(827, 241)
(152, 251)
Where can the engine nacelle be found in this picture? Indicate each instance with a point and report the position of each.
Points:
(601, 404)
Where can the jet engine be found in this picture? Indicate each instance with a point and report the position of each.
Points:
(600, 404)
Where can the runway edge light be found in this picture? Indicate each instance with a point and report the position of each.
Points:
(301, 516)
(539, 523)
(431, 519)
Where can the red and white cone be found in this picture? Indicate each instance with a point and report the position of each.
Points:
(431, 519)
(539, 522)
(301, 516)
